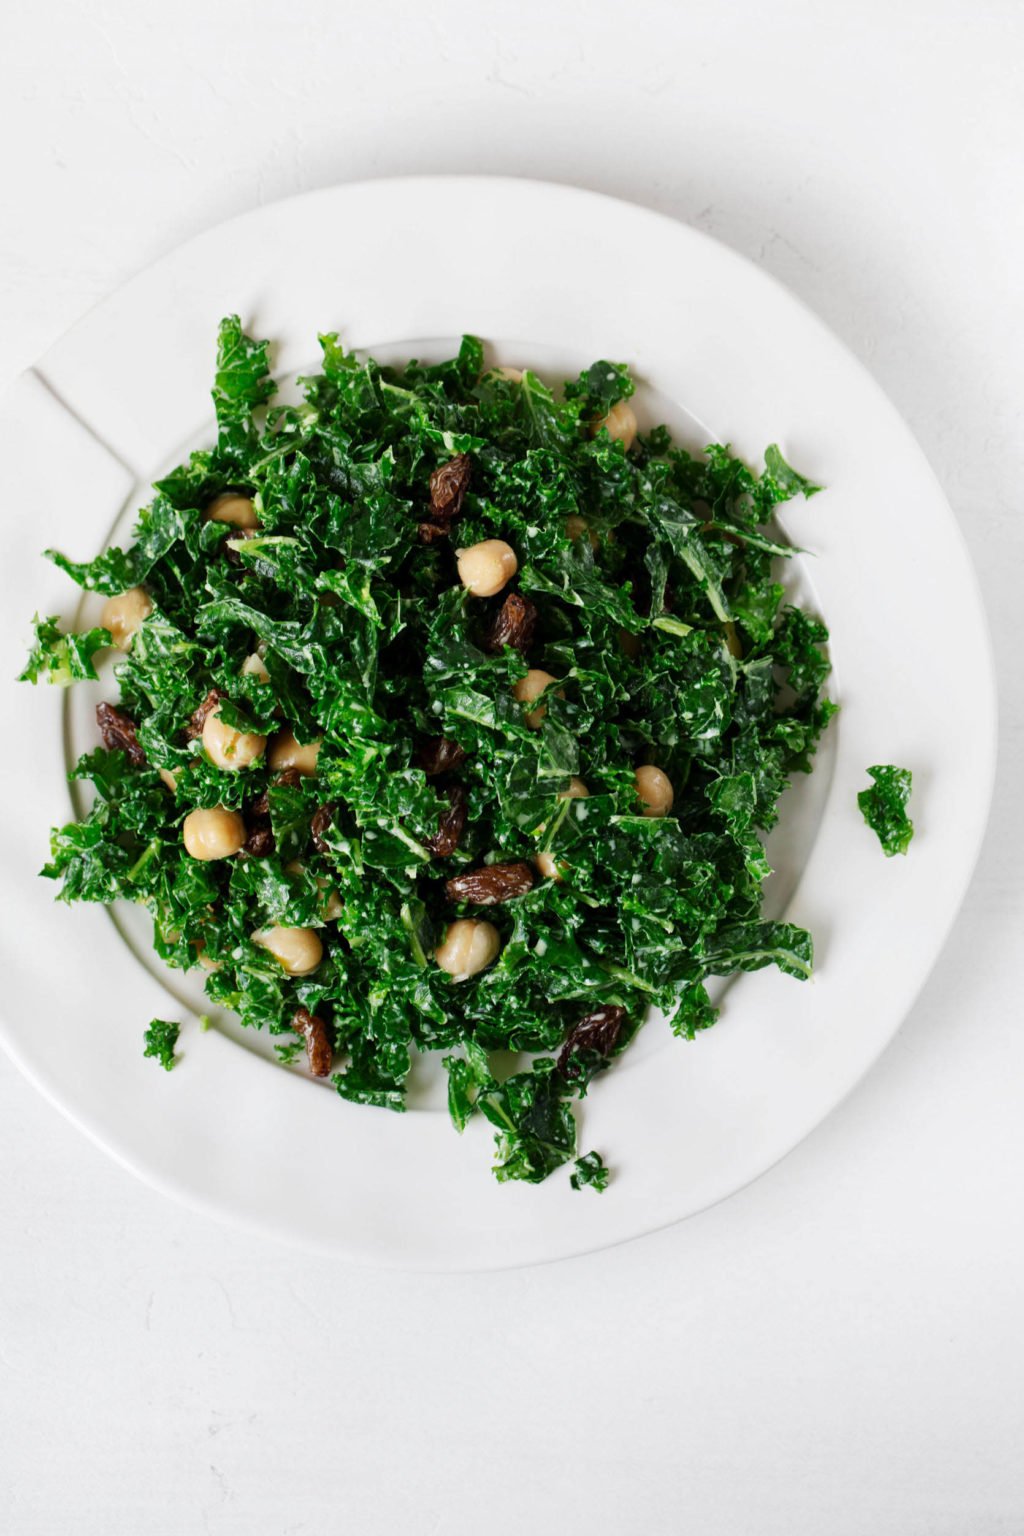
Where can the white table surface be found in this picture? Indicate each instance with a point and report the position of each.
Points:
(836, 1350)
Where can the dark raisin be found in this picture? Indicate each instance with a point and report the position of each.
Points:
(198, 720)
(448, 486)
(490, 884)
(289, 776)
(430, 532)
(259, 809)
(513, 624)
(260, 843)
(450, 825)
(322, 822)
(118, 732)
(440, 755)
(590, 1041)
(318, 1045)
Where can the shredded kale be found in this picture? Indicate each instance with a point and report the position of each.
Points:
(884, 807)
(62, 659)
(647, 589)
(161, 1037)
(589, 1173)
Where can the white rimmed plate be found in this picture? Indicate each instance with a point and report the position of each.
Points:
(552, 277)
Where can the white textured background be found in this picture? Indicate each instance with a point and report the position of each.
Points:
(837, 1349)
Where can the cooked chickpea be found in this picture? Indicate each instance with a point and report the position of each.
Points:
(228, 748)
(234, 509)
(513, 375)
(655, 790)
(548, 866)
(297, 950)
(285, 752)
(123, 614)
(577, 790)
(213, 834)
(470, 945)
(484, 568)
(170, 779)
(620, 424)
(575, 527)
(531, 687)
(255, 666)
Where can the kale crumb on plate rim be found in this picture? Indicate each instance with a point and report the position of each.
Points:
(451, 715)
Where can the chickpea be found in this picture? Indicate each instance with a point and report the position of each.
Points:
(655, 790)
(170, 779)
(214, 834)
(549, 866)
(485, 568)
(255, 666)
(285, 752)
(577, 790)
(234, 509)
(297, 950)
(470, 945)
(620, 424)
(228, 748)
(513, 375)
(123, 614)
(531, 687)
(577, 526)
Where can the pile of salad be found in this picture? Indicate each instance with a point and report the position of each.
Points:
(450, 716)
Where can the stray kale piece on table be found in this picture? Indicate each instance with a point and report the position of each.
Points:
(450, 716)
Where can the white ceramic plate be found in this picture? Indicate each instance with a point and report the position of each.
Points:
(552, 277)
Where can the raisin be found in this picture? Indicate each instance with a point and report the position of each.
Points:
(440, 755)
(594, 1037)
(260, 807)
(318, 1046)
(323, 820)
(490, 884)
(198, 720)
(513, 625)
(450, 825)
(260, 843)
(448, 486)
(118, 732)
(429, 532)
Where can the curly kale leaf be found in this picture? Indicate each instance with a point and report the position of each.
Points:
(161, 1037)
(884, 807)
(62, 658)
(589, 1172)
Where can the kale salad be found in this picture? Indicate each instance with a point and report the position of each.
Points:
(449, 716)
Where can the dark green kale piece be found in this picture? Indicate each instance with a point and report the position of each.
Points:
(884, 807)
(161, 1037)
